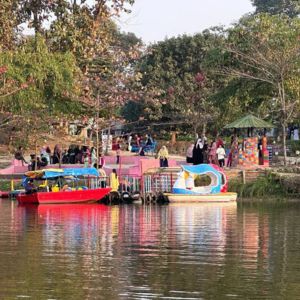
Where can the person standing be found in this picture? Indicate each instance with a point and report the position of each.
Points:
(129, 141)
(56, 154)
(86, 160)
(198, 152)
(93, 156)
(101, 160)
(149, 140)
(20, 156)
(189, 154)
(102, 176)
(163, 156)
(234, 152)
(114, 181)
(137, 140)
(48, 150)
(118, 153)
(212, 155)
(221, 155)
(33, 163)
(219, 142)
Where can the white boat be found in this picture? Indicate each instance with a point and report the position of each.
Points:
(185, 191)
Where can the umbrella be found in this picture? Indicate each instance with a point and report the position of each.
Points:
(249, 121)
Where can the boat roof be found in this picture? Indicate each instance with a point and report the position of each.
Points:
(53, 173)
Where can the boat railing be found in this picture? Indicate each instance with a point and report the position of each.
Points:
(160, 180)
(130, 184)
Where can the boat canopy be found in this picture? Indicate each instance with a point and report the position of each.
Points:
(54, 173)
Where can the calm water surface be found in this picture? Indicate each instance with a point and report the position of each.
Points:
(194, 251)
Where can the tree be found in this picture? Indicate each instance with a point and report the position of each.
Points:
(64, 69)
(8, 24)
(103, 53)
(178, 80)
(274, 7)
(35, 12)
(37, 80)
(265, 49)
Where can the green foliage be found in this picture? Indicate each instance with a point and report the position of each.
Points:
(132, 111)
(178, 79)
(83, 63)
(294, 146)
(268, 185)
(51, 77)
(289, 7)
(5, 185)
(8, 24)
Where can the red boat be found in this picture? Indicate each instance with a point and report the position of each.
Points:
(77, 194)
(83, 196)
(4, 194)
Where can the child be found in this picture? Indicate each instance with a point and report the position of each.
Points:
(221, 156)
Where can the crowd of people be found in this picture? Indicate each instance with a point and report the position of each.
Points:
(213, 152)
(201, 151)
(73, 155)
(133, 143)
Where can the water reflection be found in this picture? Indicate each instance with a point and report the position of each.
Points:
(209, 251)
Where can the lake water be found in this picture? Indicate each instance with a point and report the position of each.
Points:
(199, 251)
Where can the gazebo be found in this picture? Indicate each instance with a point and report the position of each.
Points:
(249, 122)
(252, 153)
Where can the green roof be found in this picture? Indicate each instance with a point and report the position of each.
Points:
(249, 121)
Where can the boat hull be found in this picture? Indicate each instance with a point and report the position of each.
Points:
(181, 198)
(83, 196)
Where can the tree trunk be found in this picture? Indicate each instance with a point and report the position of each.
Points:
(204, 129)
(107, 143)
(196, 130)
(173, 138)
(284, 117)
(284, 143)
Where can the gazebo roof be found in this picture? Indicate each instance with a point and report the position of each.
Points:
(249, 121)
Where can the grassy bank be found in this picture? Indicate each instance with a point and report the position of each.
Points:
(5, 185)
(266, 187)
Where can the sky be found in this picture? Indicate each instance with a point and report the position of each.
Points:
(154, 20)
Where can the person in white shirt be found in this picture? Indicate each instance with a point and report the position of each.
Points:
(189, 154)
(221, 156)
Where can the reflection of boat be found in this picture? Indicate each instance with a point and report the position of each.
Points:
(185, 189)
(60, 192)
(57, 212)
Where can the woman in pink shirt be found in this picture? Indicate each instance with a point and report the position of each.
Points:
(212, 155)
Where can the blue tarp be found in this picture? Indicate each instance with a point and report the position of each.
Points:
(75, 172)
(81, 172)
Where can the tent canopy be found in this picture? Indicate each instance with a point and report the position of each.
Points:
(249, 121)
